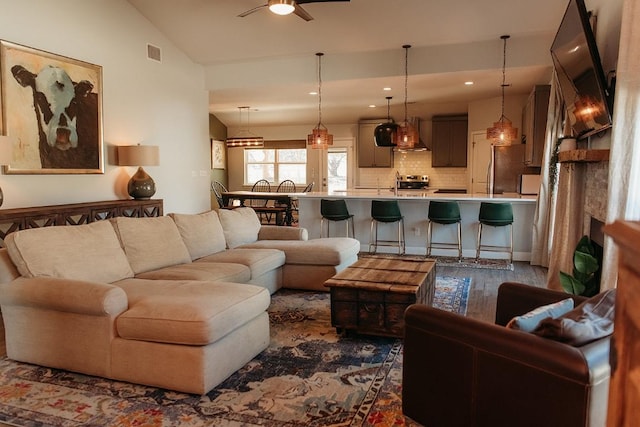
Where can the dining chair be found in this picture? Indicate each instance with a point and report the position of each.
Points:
(286, 186)
(218, 188)
(261, 185)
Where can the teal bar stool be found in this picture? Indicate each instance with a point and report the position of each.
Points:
(495, 215)
(335, 210)
(444, 213)
(386, 211)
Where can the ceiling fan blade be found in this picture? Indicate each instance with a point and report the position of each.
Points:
(250, 11)
(317, 1)
(302, 13)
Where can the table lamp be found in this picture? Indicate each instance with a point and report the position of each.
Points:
(6, 155)
(141, 186)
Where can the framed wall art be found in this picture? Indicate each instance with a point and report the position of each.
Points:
(52, 106)
(218, 158)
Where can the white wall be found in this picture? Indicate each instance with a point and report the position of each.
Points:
(144, 101)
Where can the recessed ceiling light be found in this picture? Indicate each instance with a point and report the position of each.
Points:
(313, 92)
(469, 83)
(372, 105)
(386, 88)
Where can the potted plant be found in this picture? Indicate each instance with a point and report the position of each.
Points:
(585, 280)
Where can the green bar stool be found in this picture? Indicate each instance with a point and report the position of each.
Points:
(386, 211)
(495, 215)
(335, 210)
(444, 213)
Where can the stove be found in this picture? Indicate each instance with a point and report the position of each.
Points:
(413, 182)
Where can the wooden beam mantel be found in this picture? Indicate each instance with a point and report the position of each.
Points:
(583, 156)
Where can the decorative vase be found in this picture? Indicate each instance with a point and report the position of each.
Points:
(141, 186)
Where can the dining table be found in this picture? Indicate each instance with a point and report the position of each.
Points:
(283, 206)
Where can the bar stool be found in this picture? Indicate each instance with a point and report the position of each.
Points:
(335, 210)
(444, 213)
(386, 211)
(495, 215)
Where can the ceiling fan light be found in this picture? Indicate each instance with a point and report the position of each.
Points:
(282, 7)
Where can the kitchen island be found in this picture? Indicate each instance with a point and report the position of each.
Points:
(414, 206)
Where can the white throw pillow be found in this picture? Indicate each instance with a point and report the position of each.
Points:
(529, 322)
(240, 225)
(202, 233)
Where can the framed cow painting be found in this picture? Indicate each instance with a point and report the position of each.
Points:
(52, 106)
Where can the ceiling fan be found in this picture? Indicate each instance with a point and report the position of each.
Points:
(285, 7)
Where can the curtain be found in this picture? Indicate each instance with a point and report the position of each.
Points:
(624, 159)
(543, 219)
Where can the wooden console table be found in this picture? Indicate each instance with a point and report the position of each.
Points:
(75, 214)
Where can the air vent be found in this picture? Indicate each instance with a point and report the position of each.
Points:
(154, 53)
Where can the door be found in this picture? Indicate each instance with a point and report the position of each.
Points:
(337, 166)
(480, 162)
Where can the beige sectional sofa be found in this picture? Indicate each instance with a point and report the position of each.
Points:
(177, 302)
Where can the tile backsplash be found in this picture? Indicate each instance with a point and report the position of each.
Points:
(413, 163)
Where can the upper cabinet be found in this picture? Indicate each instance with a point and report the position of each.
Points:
(449, 141)
(534, 124)
(370, 155)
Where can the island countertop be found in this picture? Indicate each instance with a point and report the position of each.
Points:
(414, 205)
(430, 194)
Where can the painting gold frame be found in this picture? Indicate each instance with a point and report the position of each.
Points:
(52, 106)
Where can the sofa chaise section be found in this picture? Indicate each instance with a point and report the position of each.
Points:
(77, 306)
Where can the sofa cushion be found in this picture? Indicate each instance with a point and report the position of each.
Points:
(591, 320)
(151, 243)
(188, 312)
(202, 233)
(529, 322)
(89, 252)
(240, 225)
(205, 271)
(325, 251)
(260, 261)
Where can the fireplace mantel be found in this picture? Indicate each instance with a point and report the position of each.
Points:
(583, 156)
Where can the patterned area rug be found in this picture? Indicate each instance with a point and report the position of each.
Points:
(308, 376)
(494, 264)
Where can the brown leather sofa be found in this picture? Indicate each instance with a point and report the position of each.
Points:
(464, 372)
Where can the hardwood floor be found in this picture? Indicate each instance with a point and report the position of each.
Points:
(485, 282)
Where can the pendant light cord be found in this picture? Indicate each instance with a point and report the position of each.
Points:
(319, 54)
(406, 77)
(504, 66)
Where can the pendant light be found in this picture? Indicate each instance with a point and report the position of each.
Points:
(320, 136)
(502, 132)
(245, 138)
(384, 135)
(406, 135)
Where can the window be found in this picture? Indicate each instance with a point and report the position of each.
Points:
(275, 165)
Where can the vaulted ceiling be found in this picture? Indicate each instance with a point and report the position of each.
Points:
(268, 62)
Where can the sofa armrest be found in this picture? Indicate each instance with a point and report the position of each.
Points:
(278, 232)
(516, 299)
(75, 296)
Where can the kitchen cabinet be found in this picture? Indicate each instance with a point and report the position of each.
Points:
(369, 155)
(534, 124)
(449, 141)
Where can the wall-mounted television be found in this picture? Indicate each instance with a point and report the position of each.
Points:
(580, 75)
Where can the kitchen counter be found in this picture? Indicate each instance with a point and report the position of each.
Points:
(414, 206)
(429, 194)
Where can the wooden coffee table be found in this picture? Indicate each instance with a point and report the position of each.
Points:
(371, 295)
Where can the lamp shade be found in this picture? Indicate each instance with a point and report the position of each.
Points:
(138, 155)
(6, 149)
